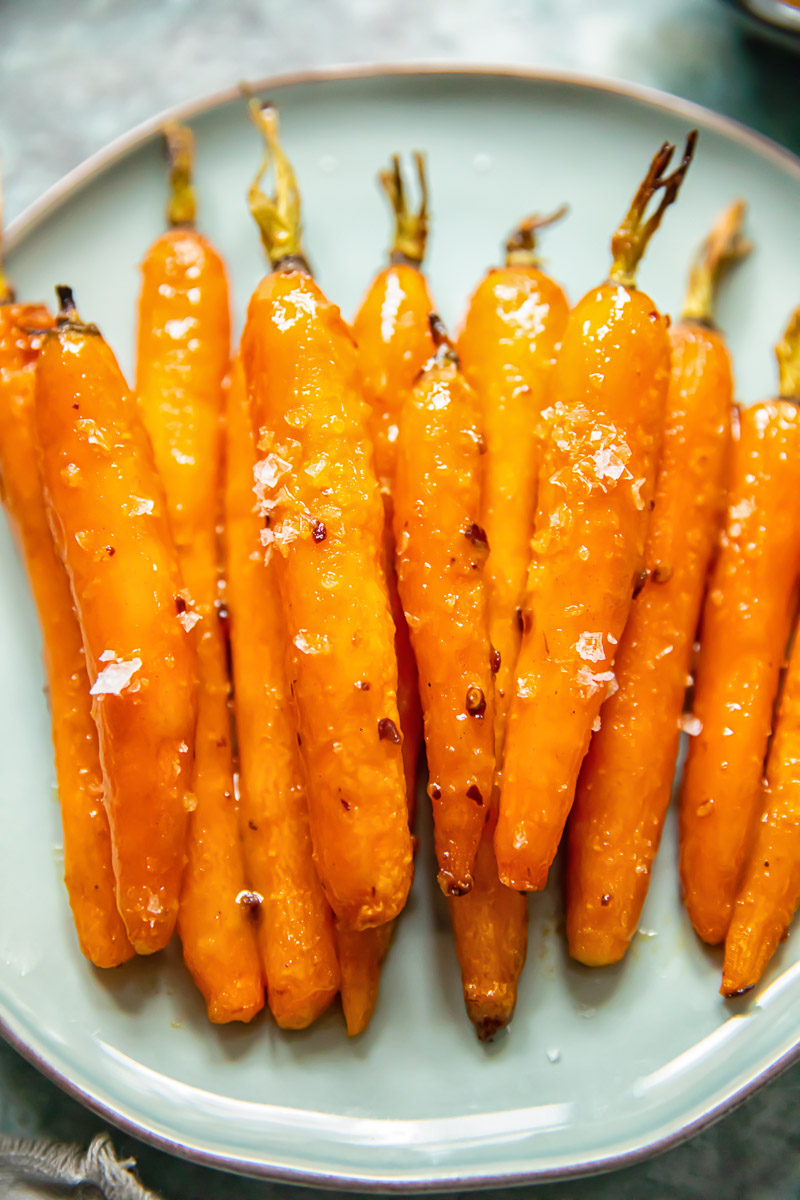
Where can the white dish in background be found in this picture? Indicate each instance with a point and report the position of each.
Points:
(600, 1067)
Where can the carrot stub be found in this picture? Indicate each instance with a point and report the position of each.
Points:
(596, 481)
(441, 552)
(182, 357)
(88, 872)
(626, 780)
(295, 924)
(107, 510)
(325, 537)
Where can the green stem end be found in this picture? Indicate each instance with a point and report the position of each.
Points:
(724, 246)
(410, 228)
(787, 352)
(521, 248)
(277, 216)
(181, 206)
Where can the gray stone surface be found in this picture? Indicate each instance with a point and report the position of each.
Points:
(74, 75)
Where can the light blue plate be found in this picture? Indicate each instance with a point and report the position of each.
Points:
(600, 1068)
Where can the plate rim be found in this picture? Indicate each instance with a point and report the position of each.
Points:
(25, 224)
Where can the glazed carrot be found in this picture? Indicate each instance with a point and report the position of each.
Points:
(745, 630)
(295, 928)
(88, 872)
(325, 535)
(770, 889)
(183, 350)
(394, 342)
(108, 514)
(361, 954)
(441, 552)
(507, 347)
(626, 780)
(596, 481)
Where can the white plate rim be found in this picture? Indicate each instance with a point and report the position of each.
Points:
(25, 224)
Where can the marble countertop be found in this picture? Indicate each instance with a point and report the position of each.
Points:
(77, 75)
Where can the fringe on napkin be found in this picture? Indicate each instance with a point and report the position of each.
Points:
(38, 1170)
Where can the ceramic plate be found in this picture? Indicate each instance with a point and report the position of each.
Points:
(600, 1067)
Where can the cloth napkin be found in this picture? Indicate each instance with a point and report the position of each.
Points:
(39, 1170)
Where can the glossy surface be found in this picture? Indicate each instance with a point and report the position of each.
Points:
(598, 1067)
(626, 779)
(596, 481)
(294, 924)
(770, 887)
(88, 873)
(750, 605)
(316, 483)
(182, 354)
(108, 513)
(441, 557)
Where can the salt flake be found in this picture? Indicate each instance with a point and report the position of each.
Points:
(114, 678)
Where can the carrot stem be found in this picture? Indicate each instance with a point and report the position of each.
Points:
(724, 246)
(632, 237)
(277, 216)
(787, 353)
(521, 248)
(411, 228)
(181, 206)
(68, 317)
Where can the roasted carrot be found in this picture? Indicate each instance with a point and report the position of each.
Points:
(361, 954)
(107, 510)
(441, 553)
(295, 927)
(770, 888)
(507, 347)
(596, 482)
(88, 872)
(626, 780)
(746, 624)
(182, 357)
(394, 341)
(325, 533)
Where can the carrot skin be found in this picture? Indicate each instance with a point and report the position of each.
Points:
(441, 551)
(295, 926)
(745, 629)
(361, 953)
(595, 486)
(770, 889)
(326, 521)
(626, 780)
(88, 871)
(182, 358)
(108, 514)
(514, 324)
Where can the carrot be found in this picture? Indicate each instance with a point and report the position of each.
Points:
(512, 330)
(770, 889)
(596, 481)
(182, 357)
(361, 954)
(295, 927)
(108, 514)
(745, 630)
(441, 551)
(507, 346)
(626, 780)
(394, 342)
(88, 872)
(325, 534)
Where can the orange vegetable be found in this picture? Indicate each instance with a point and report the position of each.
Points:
(325, 527)
(770, 889)
(394, 342)
(107, 510)
(507, 347)
(361, 954)
(441, 551)
(745, 630)
(182, 357)
(88, 872)
(626, 781)
(596, 481)
(295, 927)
